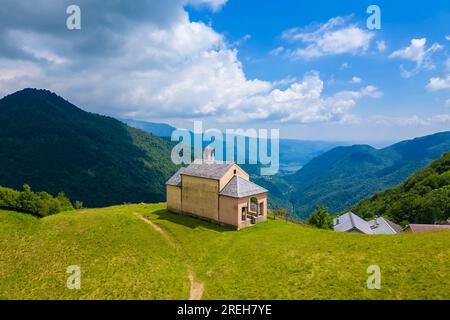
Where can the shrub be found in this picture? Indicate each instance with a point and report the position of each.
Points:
(41, 203)
(320, 218)
(279, 212)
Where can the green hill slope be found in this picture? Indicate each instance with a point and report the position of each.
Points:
(52, 145)
(422, 198)
(121, 256)
(343, 176)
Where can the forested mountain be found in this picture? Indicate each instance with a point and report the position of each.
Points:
(50, 144)
(343, 176)
(158, 129)
(423, 198)
(53, 146)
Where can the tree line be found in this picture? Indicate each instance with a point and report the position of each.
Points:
(423, 198)
(37, 203)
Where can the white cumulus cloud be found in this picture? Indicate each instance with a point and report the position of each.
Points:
(418, 53)
(149, 66)
(436, 83)
(334, 37)
(303, 101)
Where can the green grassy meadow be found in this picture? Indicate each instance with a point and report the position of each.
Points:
(122, 257)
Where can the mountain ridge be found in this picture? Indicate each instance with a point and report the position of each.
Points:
(162, 130)
(424, 197)
(342, 176)
(53, 145)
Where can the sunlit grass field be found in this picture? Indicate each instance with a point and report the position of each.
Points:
(122, 257)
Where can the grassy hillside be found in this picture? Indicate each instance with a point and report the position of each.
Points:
(342, 177)
(54, 146)
(422, 198)
(121, 256)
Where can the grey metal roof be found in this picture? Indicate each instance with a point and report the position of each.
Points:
(204, 169)
(175, 180)
(396, 227)
(383, 226)
(207, 169)
(350, 221)
(238, 187)
(427, 227)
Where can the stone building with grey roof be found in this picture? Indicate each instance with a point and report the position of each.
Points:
(217, 191)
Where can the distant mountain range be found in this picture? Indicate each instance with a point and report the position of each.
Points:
(343, 176)
(334, 174)
(158, 129)
(293, 153)
(54, 146)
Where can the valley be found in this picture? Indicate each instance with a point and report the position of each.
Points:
(100, 161)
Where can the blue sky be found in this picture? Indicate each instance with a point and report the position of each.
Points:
(309, 68)
(262, 27)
